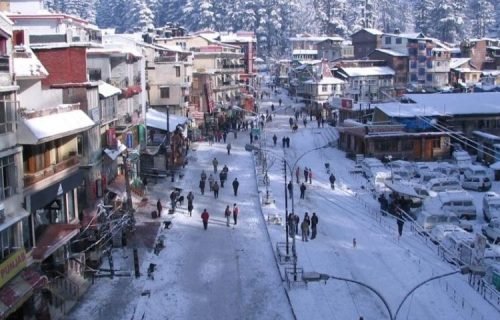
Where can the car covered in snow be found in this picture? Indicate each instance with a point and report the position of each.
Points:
(456, 247)
(372, 165)
(492, 231)
(444, 184)
(491, 206)
(460, 203)
(439, 231)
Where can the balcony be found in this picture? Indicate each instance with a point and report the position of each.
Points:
(32, 178)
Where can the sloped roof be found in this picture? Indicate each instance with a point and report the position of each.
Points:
(368, 71)
(457, 62)
(392, 52)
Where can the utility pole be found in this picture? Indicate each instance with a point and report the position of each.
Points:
(127, 181)
(286, 209)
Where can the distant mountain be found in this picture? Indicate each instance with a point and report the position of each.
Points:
(275, 20)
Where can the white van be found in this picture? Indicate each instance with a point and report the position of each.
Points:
(428, 220)
(460, 203)
(444, 184)
(491, 206)
(448, 170)
(457, 247)
(462, 159)
(478, 171)
(371, 165)
(477, 183)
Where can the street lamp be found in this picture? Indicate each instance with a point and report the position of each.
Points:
(316, 276)
(389, 158)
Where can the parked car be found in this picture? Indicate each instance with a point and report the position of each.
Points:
(448, 169)
(460, 203)
(492, 231)
(478, 171)
(444, 184)
(420, 167)
(428, 220)
(462, 159)
(439, 231)
(476, 183)
(426, 176)
(371, 165)
(399, 166)
(456, 247)
(491, 206)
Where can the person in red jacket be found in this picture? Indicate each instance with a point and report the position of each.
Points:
(204, 217)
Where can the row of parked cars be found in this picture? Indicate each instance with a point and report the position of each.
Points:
(443, 208)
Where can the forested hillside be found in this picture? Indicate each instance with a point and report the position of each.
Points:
(275, 20)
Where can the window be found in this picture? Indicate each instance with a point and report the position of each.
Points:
(7, 241)
(177, 71)
(413, 64)
(324, 88)
(399, 40)
(436, 144)
(422, 59)
(27, 233)
(429, 64)
(421, 71)
(421, 46)
(6, 116)
(8, 176)
(95, 74)
(388, 40)
(413, 77)
(429, 77)
(165, 92)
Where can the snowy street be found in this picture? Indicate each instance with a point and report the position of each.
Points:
(232, 272)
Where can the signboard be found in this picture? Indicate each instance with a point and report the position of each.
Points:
(346, 103)
(12, 266)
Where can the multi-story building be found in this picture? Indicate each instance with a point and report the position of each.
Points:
(365, 41)
(334, 48)
(484, 53)
(398, 62)
(429, 58)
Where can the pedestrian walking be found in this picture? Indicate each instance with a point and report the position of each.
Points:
(288, 142)
(291, 224)
(216, 190)
(291, 122)
(304, 227)
(236, 211)
(221, 179)
(305, 122)
(384, 204)
(224, 136)
(310, 176)
(227, 214)
(228, 147)
(251, 137)
(332, 181)
(296, 223)
(400, 222)
(283, 141)
(203, 175)
(159, 207)
(314, 225)
(204, 218)
(202, 186)
(211, 182)
(215, 163)
(279, 101)
(302, 190)
(236, 184)
(297, 174)
(306, 174)
(308, 220)
(290, 189)
(275, 138)
(190, 198)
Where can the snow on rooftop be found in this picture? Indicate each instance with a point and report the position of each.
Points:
(107, 90)
(27, 65)
(392, 52)
(304, 51)
(373, 31)
(158, 120)
(457, 62)
(368, 71)
(437, 104)
(325, 80)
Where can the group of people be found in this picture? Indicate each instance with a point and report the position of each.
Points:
(308, 226)
(213, 184)
(228, 213)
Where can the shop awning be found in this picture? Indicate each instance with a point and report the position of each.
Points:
(106, 90)
(403, 189)
(158, 120)
(42, 129)
(114, 153)
(54, 237)
(18, 215)
(19, 289)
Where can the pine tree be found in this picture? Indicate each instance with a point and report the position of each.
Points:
(423, 21)
(111, 14)
(449, 20)
(199, 14)
(331, 15)
(481, 16)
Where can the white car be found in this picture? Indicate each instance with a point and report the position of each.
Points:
(492, 231)
(491, 206)
(456, 247)
(439, 231)
(421, 167)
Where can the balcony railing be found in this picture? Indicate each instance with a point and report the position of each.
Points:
(32, 178)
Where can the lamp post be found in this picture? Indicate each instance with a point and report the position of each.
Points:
(316, 276)
(389, 158)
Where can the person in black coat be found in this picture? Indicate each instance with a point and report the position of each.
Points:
(290, 189)
(275, 138)
(222, 178)
(190, 198)
(236, 184)
(332, 181)
(302, 190)
(314, 224)
(400, 222)
(297, 220)
(159, 207)
(202, 186)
